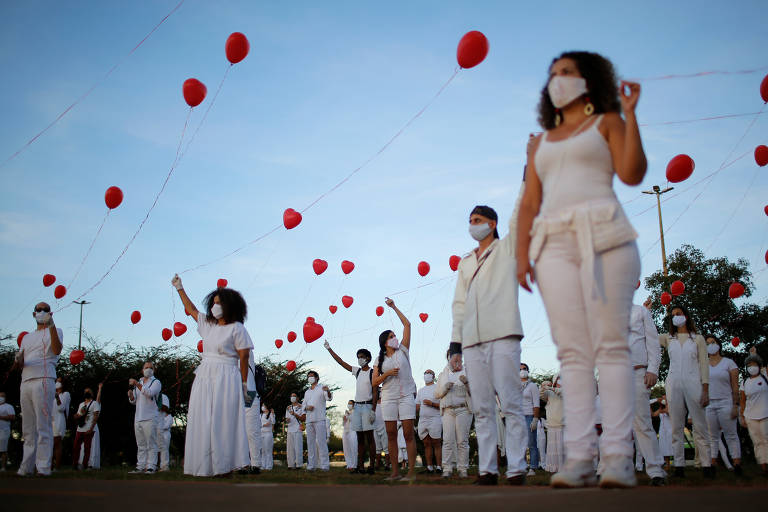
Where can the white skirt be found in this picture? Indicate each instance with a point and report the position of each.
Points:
(555, 449)
(216, 441)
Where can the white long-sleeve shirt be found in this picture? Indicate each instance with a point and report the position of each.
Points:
(644, 340)
(145, 399)
(315, 398)
(450, 390)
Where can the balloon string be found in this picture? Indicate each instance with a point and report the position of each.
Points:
(736, 208)
(205, 115)
(89, 91)
(88, 252)
(710, 118)
(699, 74)
(420, 286)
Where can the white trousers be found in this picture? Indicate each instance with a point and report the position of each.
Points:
(146, 444)
(645, 437)
(163, 447)
(456, 425)
(588, 311)
(719, 420)
(349, 445)
(317, 446)
(493, 369)
(541, 442)
(758, 431)
(295, 449)
(380, 436)
(267, 443)
(679, 396)
(37, 397)
(253, 431)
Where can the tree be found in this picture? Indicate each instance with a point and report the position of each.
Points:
(706, 297)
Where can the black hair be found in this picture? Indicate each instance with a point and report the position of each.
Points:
(720, 345)
(603, 91)
(366, 353)
(526, 367)
(488, 212)
(64, 382)
(383, 337)
(232, 304)
(688, 322)
(313, 372)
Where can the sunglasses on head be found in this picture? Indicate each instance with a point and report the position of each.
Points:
(46, 310)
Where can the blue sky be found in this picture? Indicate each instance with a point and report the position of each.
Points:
(324, 87)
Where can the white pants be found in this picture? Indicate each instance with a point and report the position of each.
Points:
(588, 311)
(37, 397)
(719, 419)
(146, 442)
(163, 447)
(493, 369)
(456, 425)
(295, 449)
(679, 396)
(541, 442)
(317, 446)
(267, 443)
(380, 436)
(758, 431)
(645, 437)
(349, 445)
(253, 431)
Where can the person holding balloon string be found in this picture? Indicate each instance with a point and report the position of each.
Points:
(216, 441)
(572, 227)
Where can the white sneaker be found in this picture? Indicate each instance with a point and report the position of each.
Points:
(618, 473)
(447, 474)
(575, 473)
(136, 471)
(463, 473)
(531, 472)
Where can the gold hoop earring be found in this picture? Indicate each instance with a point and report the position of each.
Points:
(557, 117)
(589, 108)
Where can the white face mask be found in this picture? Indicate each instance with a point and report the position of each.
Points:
(362, 361)
(148, 372)
(678, 320)
(393, 343)
(480, 231)
(58, 385)
(428, 378)
(311, 379)
(350, 406)
(712, 349)
(564, 89)
(264, 409)
(217, 311)
(523, 374)
(42, 317)
(293, 399)
(2, 400)
(753, 370)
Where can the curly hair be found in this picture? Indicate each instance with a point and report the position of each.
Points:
(601, 84)
(232, 304)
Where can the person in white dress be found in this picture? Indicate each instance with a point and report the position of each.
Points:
(143, 394)
(216, 440)
(753, 408)
(87, 416)
(316, 422)
(723, 409)
(398, 392)
(349, 438)
(164, 423)
(294, 440)
(37, 358)
(552, 396)
(455, 410)
(7, 415)
(430, 426)
(61, 404)
(267, 437)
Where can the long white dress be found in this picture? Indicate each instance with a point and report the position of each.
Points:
(349, 442)
(216, 441)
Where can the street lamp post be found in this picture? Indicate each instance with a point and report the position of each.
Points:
(658, 192)
(80, 338)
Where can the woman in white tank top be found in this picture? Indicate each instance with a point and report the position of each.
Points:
(573, 228)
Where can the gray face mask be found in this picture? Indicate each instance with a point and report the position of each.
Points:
(480, 231)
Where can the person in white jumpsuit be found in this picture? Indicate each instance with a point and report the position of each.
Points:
(164, 423)
(430, 424)
(316, 422)
(687, 388)
(61, 405)
(455, 409)
(723, 409)
(753, 408)
(349, 438)
(253, 420)
(553, 397)
(267, 437)
(143, 394)
(294, 440)
(487, 331)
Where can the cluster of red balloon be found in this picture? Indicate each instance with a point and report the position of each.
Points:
(236, 49)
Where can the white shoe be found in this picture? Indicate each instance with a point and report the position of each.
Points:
(618, 473)
(531, 472)
(136, 471)
(463, 473)
(575, 473)
(447, 474)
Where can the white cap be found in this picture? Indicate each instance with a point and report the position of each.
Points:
(166, 402)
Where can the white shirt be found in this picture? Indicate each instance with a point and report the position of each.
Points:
(427, 393)
(92, 409)
(146, 399)
(222, 341)
(644, 340)
(720, 380)
(39, 359)
(531, 397)
(756, 391)
(166, 420)
(251, 380)
(316, 398)
(65, 400)
(401, 385)
(6, 410)
(267, 422)
(456, 395)
(292, 424)
(554, 399)
(363, 389)
(688, 360)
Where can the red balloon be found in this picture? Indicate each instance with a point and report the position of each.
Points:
(638, 285)
(735, 341)
(187, 312)
(766, 256)
(761, 155)
(680, 168)
(200, 346)
(291, 218)
(179, 329)
(666, 298)
(59, 291)
(291, 337)
(333, 309)
(736, 290)
(236, 47)
(319, 266)
(113, 197)
(20, 337)
(166, 334)
(453, 262)
(423, 317)
(49, 279)
(222, 283)
(677, 288)
(312, 331)
(472, 49)
(766, 209)
(764, 89)
(423, 268)
(347, 301)
(290, 366)
(194, 91)
(379, 310)
(76, 357)
(278, 343)
(347, 266)
(135, 317)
